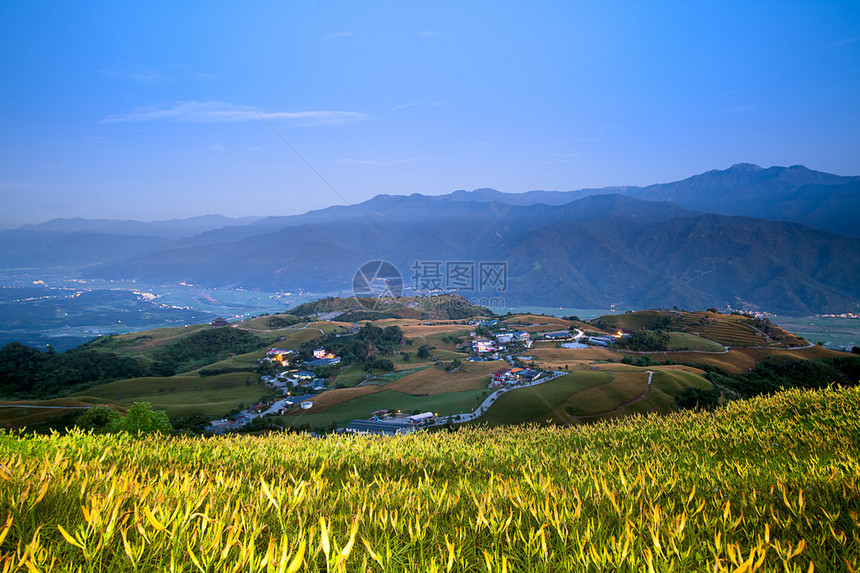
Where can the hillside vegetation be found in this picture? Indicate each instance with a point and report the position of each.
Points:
(734, 330)
(769, 484)
(438, 307)
(182, 395)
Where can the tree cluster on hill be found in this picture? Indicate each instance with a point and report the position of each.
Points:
(451, 307)
(369, 346)
(645, 341)
(29, 373)
(643, 360)
(363, 315)
(282, 320)
(204, 347)
(324, 305)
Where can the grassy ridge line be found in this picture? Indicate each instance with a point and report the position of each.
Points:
(773, 482)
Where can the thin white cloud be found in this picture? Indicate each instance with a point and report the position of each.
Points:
(142, 76)
(388, 163)
(147, 76)
(186, 71)
(846, 41)
(337, 35)
(221, 112)
(415, 104)
(429, 34)
(743, 108)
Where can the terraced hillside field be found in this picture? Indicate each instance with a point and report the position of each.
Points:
(727, 329)
(735, 361)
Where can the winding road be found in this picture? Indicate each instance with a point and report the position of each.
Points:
(481, 410)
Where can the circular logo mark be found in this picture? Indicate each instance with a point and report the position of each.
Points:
(377, 285)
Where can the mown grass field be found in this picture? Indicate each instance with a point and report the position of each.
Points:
(471, 376)
(685, 341)
(353, 375)
(18, 414)
(337, 396)
(544, 402)
(182, 395)
(639, 320)
(580, 396)
(625, 386)
(771, 484)
(535, 320)
(247, 361)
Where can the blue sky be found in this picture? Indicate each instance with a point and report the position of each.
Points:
(150, 110)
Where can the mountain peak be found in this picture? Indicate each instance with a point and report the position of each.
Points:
(745, 167)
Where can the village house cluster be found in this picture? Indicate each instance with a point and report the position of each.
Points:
(513, 376)
(299, 384)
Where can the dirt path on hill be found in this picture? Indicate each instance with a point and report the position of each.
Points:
(624, 405)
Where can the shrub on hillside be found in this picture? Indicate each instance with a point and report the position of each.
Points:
(140, 419)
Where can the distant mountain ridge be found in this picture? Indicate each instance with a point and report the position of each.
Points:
(661, 245)
(169, 229)
(821, 200)
(80, 242)
(597, 251)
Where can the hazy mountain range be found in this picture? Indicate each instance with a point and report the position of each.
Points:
(794, 250)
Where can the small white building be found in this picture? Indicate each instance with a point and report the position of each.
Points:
(421, 418)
